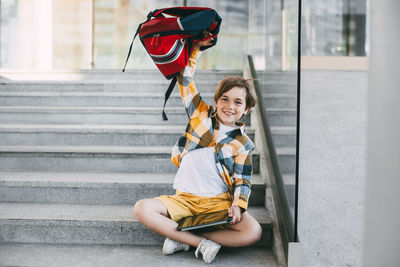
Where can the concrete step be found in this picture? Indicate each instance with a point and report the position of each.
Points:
(286, 101)
(278, 76)
(135, 159)
(124, 256)
(278, 82)
(281, 116)
(93, 99)
(88, 224)
(95, 115)
(286, 159)
(113, 135)
(106, 86)
(289, 180)
(107, 75)
(91, 115)
(284, 136)
(279, 87)
(96, 188)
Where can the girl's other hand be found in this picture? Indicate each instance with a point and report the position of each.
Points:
(236, 213)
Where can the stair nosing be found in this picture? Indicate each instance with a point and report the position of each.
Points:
(84, 213)
(158, 81)
(279, 95)
(91, 94)
(290, 151)
(146, 150)
(283, 128)
(97, 128)
(88, 149)
(85, 109)
(90, 180)
(281, 110)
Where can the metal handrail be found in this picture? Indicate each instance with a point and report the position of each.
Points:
(286, 220)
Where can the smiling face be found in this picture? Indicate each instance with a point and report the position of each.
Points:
(231, 106)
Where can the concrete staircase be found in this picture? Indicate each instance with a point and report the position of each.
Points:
(280, 99)
(77, 150)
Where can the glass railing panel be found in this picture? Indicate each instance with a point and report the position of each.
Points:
(274, 25)
(334, 28)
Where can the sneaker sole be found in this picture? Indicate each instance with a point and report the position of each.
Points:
(212, 256)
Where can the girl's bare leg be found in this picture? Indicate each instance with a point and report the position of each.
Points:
(246, 232)
(153, 214)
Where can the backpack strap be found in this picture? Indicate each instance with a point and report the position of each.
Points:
(137, 32)
(130, 49)
(158, 12)
(167, 95)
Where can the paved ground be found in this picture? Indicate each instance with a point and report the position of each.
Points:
(143, 256)
(332, 167)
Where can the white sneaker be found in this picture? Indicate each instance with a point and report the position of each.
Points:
(209, 249)
(172, 246)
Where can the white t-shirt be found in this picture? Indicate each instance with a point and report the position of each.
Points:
(198, 173)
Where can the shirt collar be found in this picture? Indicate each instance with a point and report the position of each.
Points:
(238, 125)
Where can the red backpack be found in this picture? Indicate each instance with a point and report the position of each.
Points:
(168, 35)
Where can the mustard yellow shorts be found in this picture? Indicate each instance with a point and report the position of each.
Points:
(184, 204)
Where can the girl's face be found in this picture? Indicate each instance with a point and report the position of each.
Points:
(231, 106)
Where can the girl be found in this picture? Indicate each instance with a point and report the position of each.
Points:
(214, 160)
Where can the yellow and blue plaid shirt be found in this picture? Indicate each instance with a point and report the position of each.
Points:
(233, 153)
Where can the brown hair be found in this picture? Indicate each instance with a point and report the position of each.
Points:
(232, 81)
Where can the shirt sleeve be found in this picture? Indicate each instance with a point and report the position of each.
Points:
(192, 101)
(242, 171)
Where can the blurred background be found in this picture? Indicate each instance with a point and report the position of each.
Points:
(85, 35)
(95, 34)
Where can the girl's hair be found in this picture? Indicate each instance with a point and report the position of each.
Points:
(232, 81)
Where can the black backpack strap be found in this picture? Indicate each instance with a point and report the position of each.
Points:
(137, 31)
(167, 95)
(130, 48)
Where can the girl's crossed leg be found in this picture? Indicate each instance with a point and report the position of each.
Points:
(153, 214)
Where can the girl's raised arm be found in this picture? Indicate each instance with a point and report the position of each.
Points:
(190, 96)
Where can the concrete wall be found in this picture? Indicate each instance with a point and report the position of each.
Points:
(382, 220)
(332, 167)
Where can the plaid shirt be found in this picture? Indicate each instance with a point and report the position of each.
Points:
(232, 154)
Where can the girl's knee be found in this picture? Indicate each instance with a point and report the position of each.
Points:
(254, 231)
(146, 207)
(142, 207)
(139, 208)
(257, 232)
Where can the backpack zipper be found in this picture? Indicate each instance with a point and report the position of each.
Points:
(155, 39)
(164, 34)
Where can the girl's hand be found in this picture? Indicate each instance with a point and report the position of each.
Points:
(207, 41)
(236, 213)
